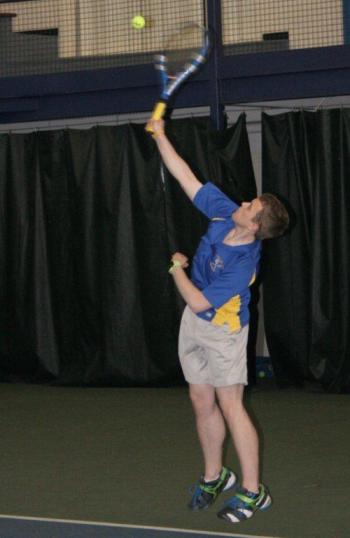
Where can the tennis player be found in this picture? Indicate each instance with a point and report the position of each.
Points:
(214, 330)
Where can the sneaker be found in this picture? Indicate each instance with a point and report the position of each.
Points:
(244, 503)
(205, 493)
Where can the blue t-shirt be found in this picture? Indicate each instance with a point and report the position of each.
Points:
(223, 272)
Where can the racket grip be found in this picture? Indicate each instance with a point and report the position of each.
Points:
(158, 111)
(157, 114)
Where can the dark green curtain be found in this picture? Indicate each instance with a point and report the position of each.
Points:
(89, 219)
(306, 160)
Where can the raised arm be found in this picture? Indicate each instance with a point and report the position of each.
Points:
(172, 160)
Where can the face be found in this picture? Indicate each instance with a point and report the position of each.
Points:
(246, 212)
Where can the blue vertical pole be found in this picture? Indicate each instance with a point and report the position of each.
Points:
(217, 109)
(346, 21)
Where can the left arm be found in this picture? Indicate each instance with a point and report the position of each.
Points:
(188, 291)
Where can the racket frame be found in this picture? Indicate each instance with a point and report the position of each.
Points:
(169, 85)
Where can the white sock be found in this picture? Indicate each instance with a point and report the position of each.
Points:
(212, 479)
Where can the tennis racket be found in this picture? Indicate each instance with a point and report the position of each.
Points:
(184, 53)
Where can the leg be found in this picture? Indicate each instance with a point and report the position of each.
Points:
(211, 431)
(210, 427)
(244, 435)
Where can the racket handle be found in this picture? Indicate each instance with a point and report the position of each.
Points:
(157, 114)
(158, 111)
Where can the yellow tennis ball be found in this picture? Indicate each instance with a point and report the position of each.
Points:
(138, 22)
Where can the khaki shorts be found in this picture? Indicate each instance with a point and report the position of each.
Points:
(210, 354)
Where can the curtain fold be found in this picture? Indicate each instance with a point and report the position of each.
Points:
(306, 157)
(89, 219)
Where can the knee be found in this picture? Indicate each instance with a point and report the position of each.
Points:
(203, 401)
(230, 407)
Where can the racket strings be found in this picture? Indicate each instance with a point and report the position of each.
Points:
(183, 47)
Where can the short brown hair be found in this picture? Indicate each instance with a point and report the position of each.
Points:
(273, 219)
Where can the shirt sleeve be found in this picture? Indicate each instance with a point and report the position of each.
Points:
(212, 202)
(233, 281)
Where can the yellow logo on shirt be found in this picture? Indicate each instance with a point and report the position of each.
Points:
(228, 313)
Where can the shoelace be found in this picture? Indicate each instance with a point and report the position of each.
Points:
(237, 501)
(200, 487)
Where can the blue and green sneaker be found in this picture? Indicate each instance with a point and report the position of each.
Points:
(205, 493)
(244, 503)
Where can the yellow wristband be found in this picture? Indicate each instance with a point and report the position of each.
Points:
(157, 133)
(174, 264)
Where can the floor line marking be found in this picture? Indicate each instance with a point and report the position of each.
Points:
(125, 525)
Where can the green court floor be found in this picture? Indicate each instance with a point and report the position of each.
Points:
(128, 456)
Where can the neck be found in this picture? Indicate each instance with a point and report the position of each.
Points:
(240, 236)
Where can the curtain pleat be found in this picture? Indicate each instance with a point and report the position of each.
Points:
(89, 219)
(306, 157)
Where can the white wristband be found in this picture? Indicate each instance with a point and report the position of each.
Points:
(174, 264)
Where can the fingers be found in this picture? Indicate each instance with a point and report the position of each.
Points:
(180, 258)
(155, 127)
